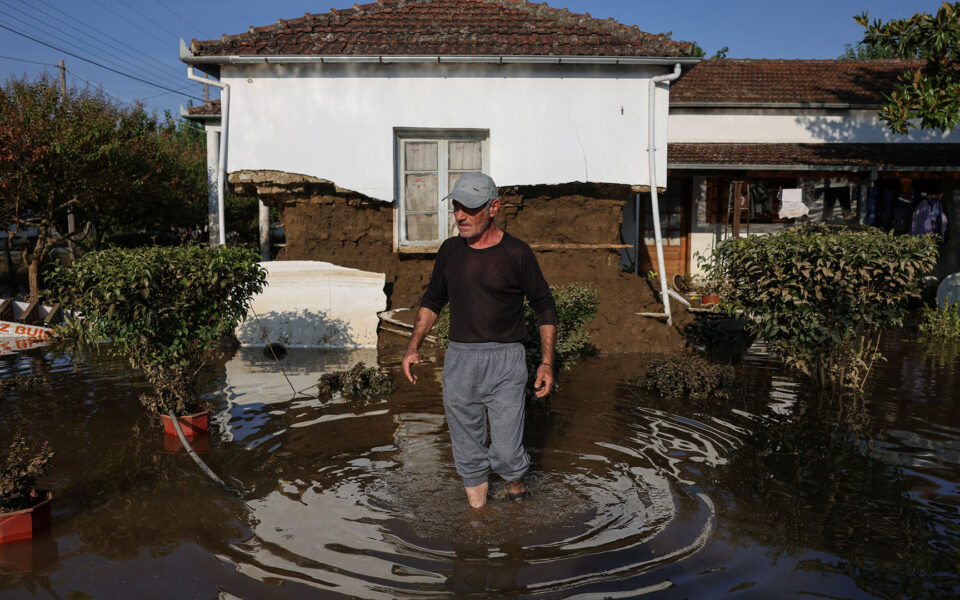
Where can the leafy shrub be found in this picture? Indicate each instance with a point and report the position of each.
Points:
(165, 309)
(941, 323)
(577, 305)
(358, 383)
(687, 376)
(20, 472)
(821, 294)
(23, 382)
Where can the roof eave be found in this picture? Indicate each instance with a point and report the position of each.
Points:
(199, 118)
(190, 58)
(785, 105)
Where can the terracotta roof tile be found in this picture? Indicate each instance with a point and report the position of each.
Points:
(208, 109)
(790, 81)
(886, 156)
(456, 27)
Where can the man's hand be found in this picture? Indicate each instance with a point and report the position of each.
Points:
(544, 382)
(421, 327)
(412, 357)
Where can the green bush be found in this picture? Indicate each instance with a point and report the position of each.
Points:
(19, 473)
(165, 309)
(577, 305)
(821, 294)
(941, 323)
(687, 376)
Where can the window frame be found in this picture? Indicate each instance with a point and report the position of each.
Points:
(442, 137)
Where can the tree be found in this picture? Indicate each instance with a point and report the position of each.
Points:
(929, 96)
(862, 51)
(112, 166)
(698, 51)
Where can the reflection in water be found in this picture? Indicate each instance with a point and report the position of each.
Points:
(779, 493)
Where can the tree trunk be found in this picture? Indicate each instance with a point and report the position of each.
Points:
(33, 270)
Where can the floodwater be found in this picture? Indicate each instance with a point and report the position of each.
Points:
(776, 493)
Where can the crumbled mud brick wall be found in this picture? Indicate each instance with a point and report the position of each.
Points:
(324, 222)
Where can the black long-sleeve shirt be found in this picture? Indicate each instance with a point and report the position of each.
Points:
(486, 288)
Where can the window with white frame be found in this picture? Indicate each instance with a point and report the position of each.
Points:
(430, 162)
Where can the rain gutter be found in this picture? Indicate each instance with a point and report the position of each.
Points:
(654, 200)
(190, 58)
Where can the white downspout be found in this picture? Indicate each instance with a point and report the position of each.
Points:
(654, 201)
(222, 166)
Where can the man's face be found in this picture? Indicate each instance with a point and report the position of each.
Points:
(472, 222)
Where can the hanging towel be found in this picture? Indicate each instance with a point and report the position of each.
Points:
(928, 217)
(791, 204)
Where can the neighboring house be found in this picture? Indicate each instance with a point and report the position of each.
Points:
(357, 122)
(780, 124)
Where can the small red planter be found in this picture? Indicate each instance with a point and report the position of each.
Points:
(199, 443)
(710, 299)
(26, 523)
(192, 425)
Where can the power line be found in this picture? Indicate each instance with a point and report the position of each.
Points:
(146, 31)
(92, 62)
(148, 19)
(33, 62)
(179, 16)
(100, 87)
(84, 45)
(103, 34)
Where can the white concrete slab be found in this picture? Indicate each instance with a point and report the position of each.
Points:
(313, 304)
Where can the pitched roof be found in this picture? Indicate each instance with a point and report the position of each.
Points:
(446, 27)
(749, 81)
(800, 156)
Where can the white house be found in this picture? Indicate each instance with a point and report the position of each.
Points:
(357, 122)
(795, 124)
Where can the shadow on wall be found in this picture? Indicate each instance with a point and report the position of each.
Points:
(864, 126)
(297, 329)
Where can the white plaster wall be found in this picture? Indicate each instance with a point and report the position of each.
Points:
(547, 123)
(314, 304)
(803, 126)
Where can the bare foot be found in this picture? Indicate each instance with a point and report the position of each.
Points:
(477, 495)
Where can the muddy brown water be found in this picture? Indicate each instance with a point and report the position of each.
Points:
(777, 493)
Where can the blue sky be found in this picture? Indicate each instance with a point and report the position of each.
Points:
(140, 37)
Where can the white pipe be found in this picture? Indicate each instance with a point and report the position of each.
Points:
(654, 200)
(222, 166)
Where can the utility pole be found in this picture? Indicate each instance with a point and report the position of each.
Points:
(71, 221)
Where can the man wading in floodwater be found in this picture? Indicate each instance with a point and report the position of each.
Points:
(485, 274)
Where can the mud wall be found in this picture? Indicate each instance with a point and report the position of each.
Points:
(574, 229)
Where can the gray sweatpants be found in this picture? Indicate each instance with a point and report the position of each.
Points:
(481, 382)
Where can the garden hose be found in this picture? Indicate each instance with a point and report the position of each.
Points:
(196, 458)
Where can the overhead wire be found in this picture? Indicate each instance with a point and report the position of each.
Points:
(95, 63)
(143, 29)
(148, 19)
(86, 46)
(34, 62)
(179, 16)
(102, 34)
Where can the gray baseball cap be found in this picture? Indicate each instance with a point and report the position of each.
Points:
(473, 190)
